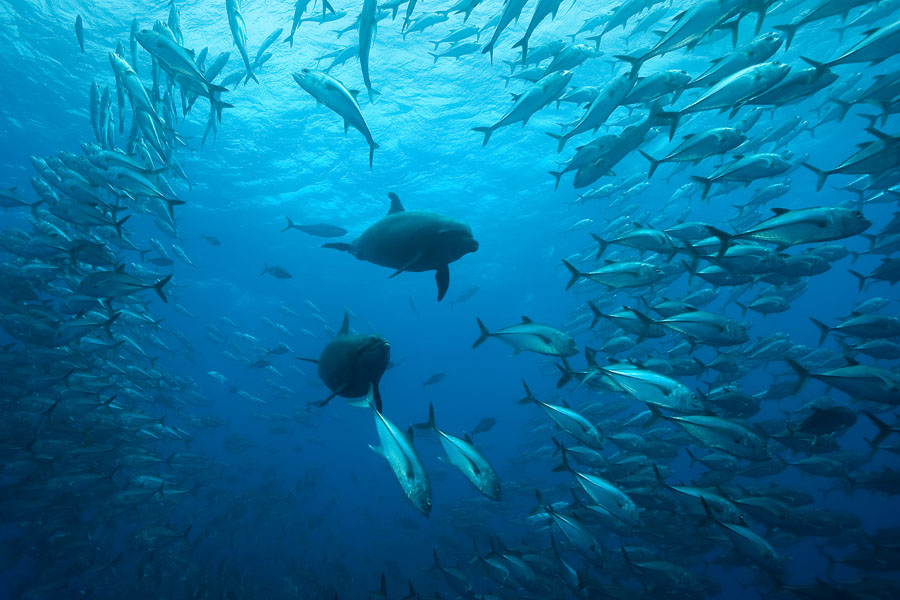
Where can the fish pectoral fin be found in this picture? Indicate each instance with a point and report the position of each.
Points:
(442, 277)
(408, 264)
(377, 450)
(328, 399)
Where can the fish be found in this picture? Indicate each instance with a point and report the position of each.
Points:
(351, 365)
(332, 93)
(413, 241)
(276, 271)
(239, 34)
(463, 455)
(529, 336)
(396, 447)
(317, 229)
(436, 378)
(79, 32)
(799, 226)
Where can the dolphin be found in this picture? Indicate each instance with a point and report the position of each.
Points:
(350, 364)
(413, 241)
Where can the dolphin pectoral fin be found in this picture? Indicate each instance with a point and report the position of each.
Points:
(312, 360)
(377, 395)
(338, 246)
(408, 264)
(442, 277)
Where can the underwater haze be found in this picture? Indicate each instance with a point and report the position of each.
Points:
(469, 299)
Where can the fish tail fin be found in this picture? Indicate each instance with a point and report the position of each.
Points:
(603, 244)
(824, 329)
(706, 182)
(529, 397)
(489, 48)
(724, 238)
(821, 176)
(659, 478)
(576, 274)
(884, 429)
(158, 287)
(108, 323)
(290, 224)
(485, 334)
(429, 424)
(326, 5)
(557, 176)
(290, 39)
(646, 322)
(597, 314)
(862, 278)
(265, 270)
(566, 373)
(743, 308)
(654, 163)
(561, 140)
(487, 131)
(636, 62)
(523, 44)
(564, 465)
(789, 31)
(435, 55)
(372, 147)
(802, 374)
(689, 453)
(119, 225)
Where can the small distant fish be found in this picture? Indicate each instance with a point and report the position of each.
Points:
(79, 32)
(212, 240)
(465, 296)
(434, 379)
(412, 305)
(319, 229)
(484, 425)
(276, 272)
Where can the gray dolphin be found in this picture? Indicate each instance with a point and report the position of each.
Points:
(413, 241)
(350, 364)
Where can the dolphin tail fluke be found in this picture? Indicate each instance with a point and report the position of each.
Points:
(485, 334)
(442, 277)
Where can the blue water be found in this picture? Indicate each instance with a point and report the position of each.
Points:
(284, 500)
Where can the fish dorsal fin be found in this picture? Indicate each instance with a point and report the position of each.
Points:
(345, 326)
(396, 206)
(780, 211)
(526, 319)
(409, 435)
(354, 93)
(688, 136)
(120, 268)
(468, 438)
(738, 156)
(609, 261)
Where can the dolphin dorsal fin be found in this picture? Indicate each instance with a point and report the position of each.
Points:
(345, 326)
(396, 206)
(526, 319)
